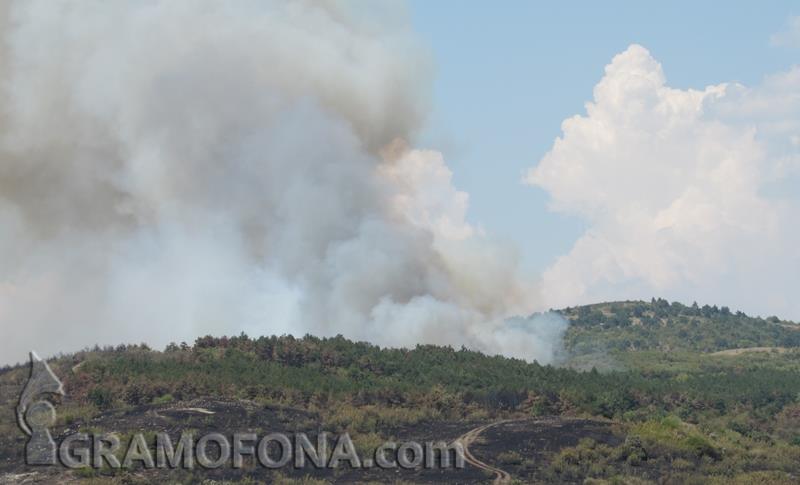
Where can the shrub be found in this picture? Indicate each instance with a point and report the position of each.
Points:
(101, 397)
(510, 458)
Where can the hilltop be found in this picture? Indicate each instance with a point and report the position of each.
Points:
(661, 325)
(677, 404)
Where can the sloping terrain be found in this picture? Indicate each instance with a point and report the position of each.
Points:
(661, 325)
(674, 404)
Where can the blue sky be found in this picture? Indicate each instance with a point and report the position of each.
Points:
(267, 197)
(507, 77)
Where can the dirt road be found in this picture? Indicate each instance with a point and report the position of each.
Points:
(501, 476)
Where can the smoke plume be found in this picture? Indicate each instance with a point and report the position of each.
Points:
(171, 169)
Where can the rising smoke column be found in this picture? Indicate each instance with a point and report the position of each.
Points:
(170, 169)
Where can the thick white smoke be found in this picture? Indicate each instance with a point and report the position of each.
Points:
(170, 169)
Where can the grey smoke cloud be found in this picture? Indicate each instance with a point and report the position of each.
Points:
(170, 169)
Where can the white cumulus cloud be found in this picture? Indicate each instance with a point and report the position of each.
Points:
(687, 194)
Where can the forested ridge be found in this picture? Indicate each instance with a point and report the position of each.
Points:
(661, 325)
(670, 388)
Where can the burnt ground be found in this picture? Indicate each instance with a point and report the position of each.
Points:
(534, 439)
(211, 415)
(527, 450)
(537, 440)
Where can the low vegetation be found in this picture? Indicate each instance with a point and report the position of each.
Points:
(684, 409)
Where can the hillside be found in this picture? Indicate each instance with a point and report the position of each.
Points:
(672, 408)
(661, 325)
